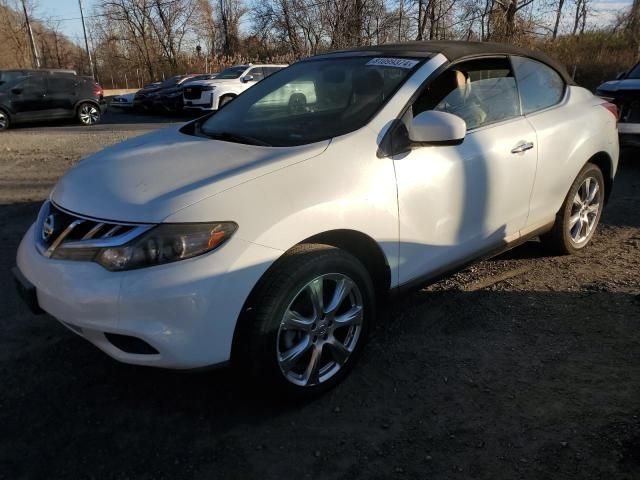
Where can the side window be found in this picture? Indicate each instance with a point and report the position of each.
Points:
(481, 92)
(61, 85)
(540, 86)
(257, 74)
(270, 70)
(32, 85)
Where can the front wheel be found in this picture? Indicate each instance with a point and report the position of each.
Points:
(88, 114)
(5, 122)
(578, 218)
(309, 320)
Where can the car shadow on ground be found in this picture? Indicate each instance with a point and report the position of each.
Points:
(453, 384)
(113, 116)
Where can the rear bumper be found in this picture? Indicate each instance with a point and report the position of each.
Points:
(629, 128)
(630, 140)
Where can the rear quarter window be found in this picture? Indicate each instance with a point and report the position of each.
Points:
(540, 86)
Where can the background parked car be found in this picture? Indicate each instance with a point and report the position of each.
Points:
(625, 93)
(147, 98)
(170, 99)
(123, 101)
(33, 95)
(228, 84)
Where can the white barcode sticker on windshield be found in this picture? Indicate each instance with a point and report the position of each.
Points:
(392, 62)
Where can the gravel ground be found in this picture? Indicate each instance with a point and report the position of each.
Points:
(523, 366)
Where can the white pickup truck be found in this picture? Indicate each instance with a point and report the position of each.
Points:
(228, 84)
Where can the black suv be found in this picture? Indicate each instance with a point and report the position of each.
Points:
(32, 95)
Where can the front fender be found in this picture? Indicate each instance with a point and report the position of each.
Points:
(344, 188)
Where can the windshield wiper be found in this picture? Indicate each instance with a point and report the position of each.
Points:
(237, 138)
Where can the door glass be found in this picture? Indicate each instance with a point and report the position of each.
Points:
(61, 85)
(31, 86)
(269, 70)
(540, 86)
(256, 73)
(480, 92)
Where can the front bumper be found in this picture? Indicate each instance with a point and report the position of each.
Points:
(206, 102)
(186, 311)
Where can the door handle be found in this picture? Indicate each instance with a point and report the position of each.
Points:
(522, 147)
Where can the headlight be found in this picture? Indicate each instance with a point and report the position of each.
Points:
(164, 243)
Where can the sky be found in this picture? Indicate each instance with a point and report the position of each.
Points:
(68, 13)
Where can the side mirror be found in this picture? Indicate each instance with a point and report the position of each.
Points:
(247, 78)
(620, 76)
(437, 128)
(16, 91)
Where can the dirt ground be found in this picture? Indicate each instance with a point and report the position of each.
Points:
(525, 366)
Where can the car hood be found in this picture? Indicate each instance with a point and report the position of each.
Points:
(620, 85)
(148, 178)
(228, 81)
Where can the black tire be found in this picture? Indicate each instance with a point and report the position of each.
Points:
(559, 239)
(88, 113)
(224, 100)
(5, 120)
(257, 348)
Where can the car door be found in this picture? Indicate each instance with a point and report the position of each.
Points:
(457, 201)
(62, 95)
(28, 98)
(560, 125)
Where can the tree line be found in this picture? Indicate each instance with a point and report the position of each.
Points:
(136, 41)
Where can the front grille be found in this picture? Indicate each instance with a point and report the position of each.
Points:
(57, 227)
(192, 93)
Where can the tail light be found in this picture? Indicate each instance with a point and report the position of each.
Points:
(97, 90)
(613, 108)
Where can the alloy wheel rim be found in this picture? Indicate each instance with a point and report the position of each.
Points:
(88, 114)
(320, 329)
(3, 120)
(584, 211)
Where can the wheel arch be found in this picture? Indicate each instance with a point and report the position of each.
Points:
(358, 244)
(365, 249)
(85, 100)
(604, 162)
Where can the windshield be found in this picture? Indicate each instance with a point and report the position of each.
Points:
(231, 72)
(309, 102)
(171, 81)
(635, 72)
(208, 76)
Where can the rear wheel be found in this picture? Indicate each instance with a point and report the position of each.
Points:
(309, 320)
(578, 218)
(5, 122)
(88, 114)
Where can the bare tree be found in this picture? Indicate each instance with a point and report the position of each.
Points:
(580, 17)
(231, 12)
(558, 17)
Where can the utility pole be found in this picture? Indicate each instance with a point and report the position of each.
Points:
(86, 42)
(34, 50)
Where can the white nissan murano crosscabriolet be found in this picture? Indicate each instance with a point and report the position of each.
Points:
(265, 233)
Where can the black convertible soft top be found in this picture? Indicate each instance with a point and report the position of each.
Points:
(453, 50)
